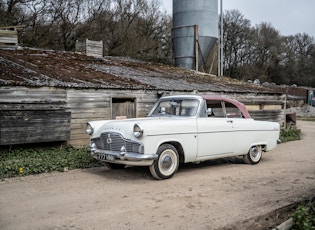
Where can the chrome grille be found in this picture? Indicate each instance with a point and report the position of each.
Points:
(114, 142)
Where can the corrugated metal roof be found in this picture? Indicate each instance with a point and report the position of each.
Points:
(36, 68)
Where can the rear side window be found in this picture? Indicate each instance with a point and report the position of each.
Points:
(232, 111)
(222, 109)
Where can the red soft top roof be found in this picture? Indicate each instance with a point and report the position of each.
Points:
(238, 104)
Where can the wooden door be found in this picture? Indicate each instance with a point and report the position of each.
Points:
(123, 107)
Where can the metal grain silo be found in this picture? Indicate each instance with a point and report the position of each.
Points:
(186, 15)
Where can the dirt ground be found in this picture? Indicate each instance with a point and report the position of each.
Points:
(224, 194)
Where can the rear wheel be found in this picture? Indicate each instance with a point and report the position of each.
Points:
(114, 166)
(254, 155)
(167, 163)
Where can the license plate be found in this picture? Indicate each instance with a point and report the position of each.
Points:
(106, 157)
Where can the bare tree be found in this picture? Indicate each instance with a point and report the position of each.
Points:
(64, 17)
(267, 52)
(134, 28)
(11, 12)
(262, 53)
(34, 35)
(138, 29)
(237, 46)
(300, 59)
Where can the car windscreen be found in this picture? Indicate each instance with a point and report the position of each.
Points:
(178, 107)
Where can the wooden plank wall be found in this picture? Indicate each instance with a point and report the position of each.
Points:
(33, 115)
(89, 105)
(86, 105)
(68, 110)
(267, 107)
(34, 126)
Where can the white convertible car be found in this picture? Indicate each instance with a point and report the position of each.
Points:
(181, 129)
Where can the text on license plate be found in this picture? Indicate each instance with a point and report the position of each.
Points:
(105, 157)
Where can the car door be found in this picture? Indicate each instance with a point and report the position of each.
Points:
(215, 133)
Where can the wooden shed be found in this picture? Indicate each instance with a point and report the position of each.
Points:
(49, 96)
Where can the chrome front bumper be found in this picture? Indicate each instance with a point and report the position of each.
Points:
(119, 157)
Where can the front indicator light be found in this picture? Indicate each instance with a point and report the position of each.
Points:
(89, 129)
(137, 131)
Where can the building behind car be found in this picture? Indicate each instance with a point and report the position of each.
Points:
(48, 96)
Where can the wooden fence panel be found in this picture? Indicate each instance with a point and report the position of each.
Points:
(34, 126)
(33, 115)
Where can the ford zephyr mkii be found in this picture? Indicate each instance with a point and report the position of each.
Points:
(182, 129)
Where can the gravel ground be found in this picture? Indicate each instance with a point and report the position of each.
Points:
(304, 111)
(220, 194)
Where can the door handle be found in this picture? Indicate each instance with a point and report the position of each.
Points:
(230, 121)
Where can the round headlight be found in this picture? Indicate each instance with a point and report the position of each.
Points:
(89, 129)
(137, 131)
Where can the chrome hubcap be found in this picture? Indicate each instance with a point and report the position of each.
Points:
(255, 153)
(166, 162)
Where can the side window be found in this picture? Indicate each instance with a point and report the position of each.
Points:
(232, 111)
(215, 109)
(222, 109)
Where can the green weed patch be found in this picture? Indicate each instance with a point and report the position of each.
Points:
(21, 162)
(290, 133)
(304, 217)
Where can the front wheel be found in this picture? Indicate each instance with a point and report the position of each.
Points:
(254, 155)
(167, 163)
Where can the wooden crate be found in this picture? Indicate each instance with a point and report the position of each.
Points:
(8, 38)
(90, 48)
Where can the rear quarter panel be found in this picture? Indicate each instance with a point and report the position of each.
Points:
(249, 132)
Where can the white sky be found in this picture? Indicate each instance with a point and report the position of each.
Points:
(289, 17)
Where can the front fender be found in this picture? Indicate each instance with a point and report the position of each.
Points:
(97, 126)
(188, 143)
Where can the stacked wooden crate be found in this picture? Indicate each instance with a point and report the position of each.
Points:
(9, 36)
